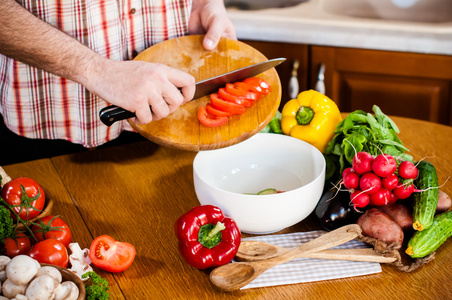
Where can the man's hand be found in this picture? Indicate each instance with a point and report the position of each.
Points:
(210, 17)
(136, 85)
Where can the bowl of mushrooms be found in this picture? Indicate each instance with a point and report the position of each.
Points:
(22, 277)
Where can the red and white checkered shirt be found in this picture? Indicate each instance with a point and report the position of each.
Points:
(37, 104)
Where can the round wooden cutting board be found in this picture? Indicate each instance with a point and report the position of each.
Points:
(182, 129)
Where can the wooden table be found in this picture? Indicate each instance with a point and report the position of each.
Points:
(136, 192)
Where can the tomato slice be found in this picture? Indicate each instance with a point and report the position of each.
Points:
(248, 87)
(210, 120)
(110, 255)
(213, 111)
(259, 82)
(240, 92)
(234, 99)
(226, 106)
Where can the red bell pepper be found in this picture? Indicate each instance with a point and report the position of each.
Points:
(206, 237)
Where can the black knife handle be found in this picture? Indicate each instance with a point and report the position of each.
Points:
(110, 114)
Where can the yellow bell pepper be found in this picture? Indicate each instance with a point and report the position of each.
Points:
(312, 117)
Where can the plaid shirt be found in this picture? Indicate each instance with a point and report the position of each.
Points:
(37, 104)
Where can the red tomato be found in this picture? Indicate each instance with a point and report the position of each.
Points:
(213, 111)
(234, 99)
(50, 251)
(52, 227)
(226, 106)
(26, 195)
(210, 120)
(20, 245)
(239, 92)
(110, 255)
(248, 87)
(259, 82)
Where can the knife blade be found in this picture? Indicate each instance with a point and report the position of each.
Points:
(110, 114)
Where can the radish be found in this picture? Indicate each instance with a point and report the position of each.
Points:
(392, 198)
(390, 182)
(403, 191)
(347, 170)
(359, 199)
(362, 162)
(351, 180)
(408, 170)
(384, 165)
(369, 183)
(380, 197)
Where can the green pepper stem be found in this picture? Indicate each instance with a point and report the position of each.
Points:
(304, 115)
(218, 227)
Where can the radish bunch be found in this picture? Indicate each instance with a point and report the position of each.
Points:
(378, 181)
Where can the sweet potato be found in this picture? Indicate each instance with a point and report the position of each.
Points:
(400, 213)
(380, 226)
(444, 202)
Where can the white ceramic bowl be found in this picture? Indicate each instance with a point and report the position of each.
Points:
(223, 178)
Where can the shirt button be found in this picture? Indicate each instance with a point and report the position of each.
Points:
(132, 11)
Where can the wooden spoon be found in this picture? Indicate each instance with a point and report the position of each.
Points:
(256, 251)
(236, 275)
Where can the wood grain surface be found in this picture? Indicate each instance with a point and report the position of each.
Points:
(182, 129)
(136, 192)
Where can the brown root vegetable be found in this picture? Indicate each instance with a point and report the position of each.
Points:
(444, 202)
(400, 213)
(381, 226)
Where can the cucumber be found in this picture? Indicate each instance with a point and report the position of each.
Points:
(425, 242)
(268, 192)
(425, 202)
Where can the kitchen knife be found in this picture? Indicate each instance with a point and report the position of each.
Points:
(110, 114)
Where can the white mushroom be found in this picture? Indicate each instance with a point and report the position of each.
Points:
(4, 260)
(21, 269)
(79, 260)
(3, 298)
(68, 290)
(20, 297)
(52, 272)
(41, 288)
(10, 289)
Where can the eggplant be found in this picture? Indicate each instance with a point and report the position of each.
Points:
(334, 210)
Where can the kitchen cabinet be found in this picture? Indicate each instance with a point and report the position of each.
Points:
(403, 84)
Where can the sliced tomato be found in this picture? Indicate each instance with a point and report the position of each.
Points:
(110, 255)
(239, 92)
(226, 106)
(210, 120)
(248, 87)
(259, 82)
(234, 99)
(213, 111)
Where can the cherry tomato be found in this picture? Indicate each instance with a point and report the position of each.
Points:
(110, 255)
(240, 92)
(213, 111)
(26, 195)
(19, 245)
(226, 106)
(259, 82)
(50, 251)
(52, 227)
(210, 120)
(234, 99)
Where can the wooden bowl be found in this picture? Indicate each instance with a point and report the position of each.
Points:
(48, 206)
(70, 276)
